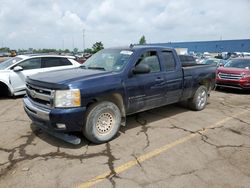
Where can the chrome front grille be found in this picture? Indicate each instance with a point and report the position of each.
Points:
(40, 95)
(230, 76)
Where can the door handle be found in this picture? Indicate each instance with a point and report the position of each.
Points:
(159, 79)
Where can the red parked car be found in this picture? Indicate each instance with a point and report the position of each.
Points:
(234, 74)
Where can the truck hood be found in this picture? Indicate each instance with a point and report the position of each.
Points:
(63, 77)
(230, 70)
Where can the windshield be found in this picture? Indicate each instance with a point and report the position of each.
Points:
(238, 63)
(9, 62)
(108, 60)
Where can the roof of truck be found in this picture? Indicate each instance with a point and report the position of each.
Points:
(139, 47)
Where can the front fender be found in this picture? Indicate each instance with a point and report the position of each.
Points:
(6, 82)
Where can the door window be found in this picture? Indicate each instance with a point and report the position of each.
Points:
(55, 62)
(34, 63)
(168, 59)
(151, 59)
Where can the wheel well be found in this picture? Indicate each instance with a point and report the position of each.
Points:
(206, 83)
(115, 98)
(5, 92)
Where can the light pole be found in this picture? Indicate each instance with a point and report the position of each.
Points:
(73, 43)
(63, 44)
(83, 39)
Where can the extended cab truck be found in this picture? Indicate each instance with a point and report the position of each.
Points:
(113, 83)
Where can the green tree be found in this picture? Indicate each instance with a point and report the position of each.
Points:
(88, 50)
(75, 50)
(21, 50)
(66, 51)
(47, 50)
(5, 49)
(97, 47)
(142, 40)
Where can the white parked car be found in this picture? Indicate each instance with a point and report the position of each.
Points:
(14, 71)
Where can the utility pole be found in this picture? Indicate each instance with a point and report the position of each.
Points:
(83, 40)
(73, 43)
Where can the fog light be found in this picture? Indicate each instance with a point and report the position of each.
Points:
(61, 126)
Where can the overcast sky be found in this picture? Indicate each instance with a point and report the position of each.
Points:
(60, 23)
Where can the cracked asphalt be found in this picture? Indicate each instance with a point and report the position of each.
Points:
(214, 150)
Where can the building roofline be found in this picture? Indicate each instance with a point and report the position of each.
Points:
(206, 41)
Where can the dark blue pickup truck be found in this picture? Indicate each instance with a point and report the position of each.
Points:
(96, 97)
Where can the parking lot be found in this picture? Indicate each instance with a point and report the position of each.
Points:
(166, 147)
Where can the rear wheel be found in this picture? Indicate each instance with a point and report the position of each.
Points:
(199, 100)
(102, 122)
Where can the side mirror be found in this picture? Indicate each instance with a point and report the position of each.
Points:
(17, 69)
(141, 69)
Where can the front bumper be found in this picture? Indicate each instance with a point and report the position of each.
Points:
(235, 84)
(48, 119)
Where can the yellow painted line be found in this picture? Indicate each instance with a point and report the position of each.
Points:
(153, 153)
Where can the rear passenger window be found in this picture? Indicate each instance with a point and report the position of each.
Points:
(50, 62)
(169, 60)
(151, 59)
(55, 62)
(65, 62)
(191, 58)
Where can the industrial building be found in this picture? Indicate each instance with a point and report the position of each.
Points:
(242, 45)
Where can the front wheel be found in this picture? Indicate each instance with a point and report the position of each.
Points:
(102, 122)
(199, 100)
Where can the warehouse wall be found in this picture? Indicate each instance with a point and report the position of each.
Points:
(212, 46)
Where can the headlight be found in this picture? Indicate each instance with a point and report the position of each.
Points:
(246, 75)
(68, 98)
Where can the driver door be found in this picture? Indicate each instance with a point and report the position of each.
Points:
(147, 90)
(30, 67)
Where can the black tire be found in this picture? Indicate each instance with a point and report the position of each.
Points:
(102, 122)
(5, 92)
(199, 100)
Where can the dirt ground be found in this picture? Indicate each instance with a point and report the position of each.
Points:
(166, 147)
(2, 59)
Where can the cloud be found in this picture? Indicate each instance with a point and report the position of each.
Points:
(59, 24)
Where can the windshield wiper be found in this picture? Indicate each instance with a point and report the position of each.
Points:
(97, 68)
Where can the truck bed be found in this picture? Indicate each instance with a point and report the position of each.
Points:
(195, 74)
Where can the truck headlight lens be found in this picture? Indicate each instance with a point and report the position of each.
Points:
(67, 98)
(246, 75)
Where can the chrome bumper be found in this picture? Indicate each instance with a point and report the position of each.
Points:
(35, 111)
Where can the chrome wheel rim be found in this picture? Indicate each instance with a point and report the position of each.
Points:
(105, 123)
(202, 99)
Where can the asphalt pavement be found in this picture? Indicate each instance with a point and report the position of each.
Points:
(170, 146)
